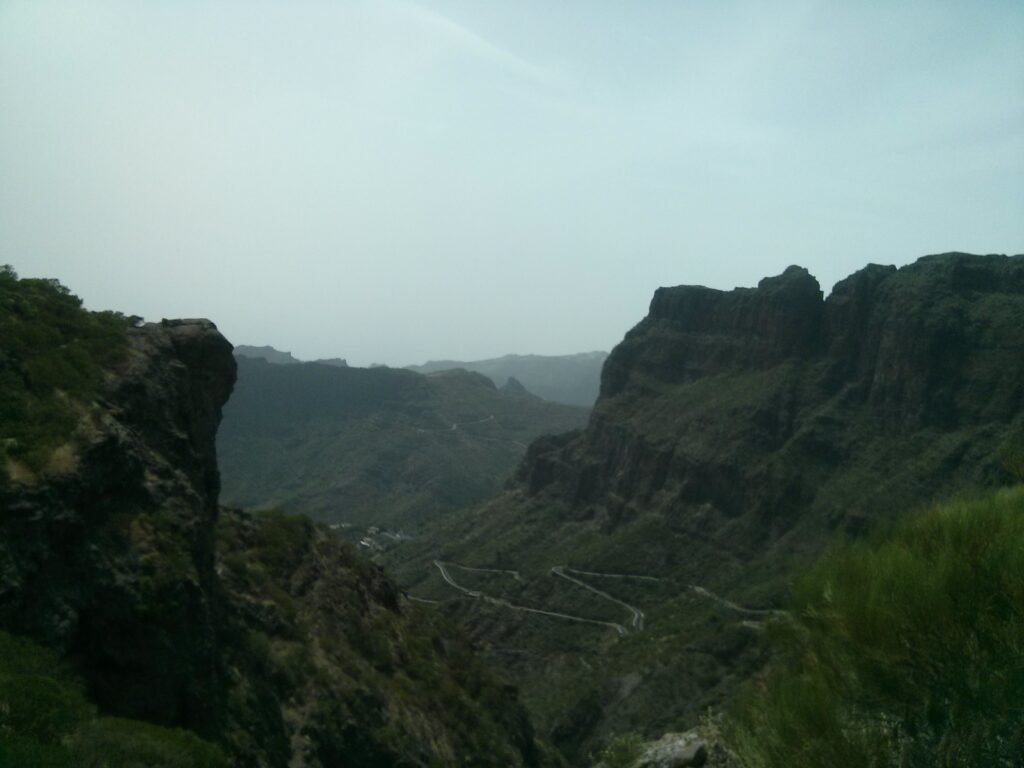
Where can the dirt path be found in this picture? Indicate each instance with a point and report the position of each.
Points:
(476, 594)
(514, 574)
(738, 608)
(638, 615)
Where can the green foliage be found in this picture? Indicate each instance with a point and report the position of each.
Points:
(52, 357)
(46, 721)
(109, 742)
(905, 651)
(623, 751)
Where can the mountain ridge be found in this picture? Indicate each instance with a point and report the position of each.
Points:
(737, 433)
(568, 379)
(382, 447)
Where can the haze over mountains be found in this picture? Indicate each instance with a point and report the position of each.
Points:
(624, 577)
(778, 523)
(379, 447)
(569, 379)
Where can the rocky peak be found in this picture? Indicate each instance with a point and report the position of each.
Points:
(692, 331)
(936, 346)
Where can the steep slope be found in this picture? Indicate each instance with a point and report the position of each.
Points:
(736, 433)
(374, 446)
(569, 379)
(264, 634)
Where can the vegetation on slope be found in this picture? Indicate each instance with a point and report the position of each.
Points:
(375, 446)
(905, 650)
(740, 433)
(46, 721)
(267, 637)
(52, 357)
(383, 682)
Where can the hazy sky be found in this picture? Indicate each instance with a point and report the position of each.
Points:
(394, 181)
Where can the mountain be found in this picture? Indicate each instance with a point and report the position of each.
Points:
(624, 576)
(277, 357)
(380, 447)
(569, 379)
(132, 606)
(269, 354)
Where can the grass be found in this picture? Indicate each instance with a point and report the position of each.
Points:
(905, 650)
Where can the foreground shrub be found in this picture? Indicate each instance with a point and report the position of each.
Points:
(905, 650)
(46, 722)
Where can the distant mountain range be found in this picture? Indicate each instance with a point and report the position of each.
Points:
(570, 379)
(375, 446)
(278, 357)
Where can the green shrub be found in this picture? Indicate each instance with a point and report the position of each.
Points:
(114, 743)
(20, 752)
(46, 722)
(35, 703)
(623, 751)
(52, 357)
(905, 650)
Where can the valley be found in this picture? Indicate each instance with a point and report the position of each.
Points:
(379, 447)
(559, 582)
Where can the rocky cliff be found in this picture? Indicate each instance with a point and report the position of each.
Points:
(264, 634)
(737, 432)
(110, 557)
(759, 401)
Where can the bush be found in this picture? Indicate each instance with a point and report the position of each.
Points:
(905, 650)
(46, 722)
(110, 742)
(623, 751)
(52, 357)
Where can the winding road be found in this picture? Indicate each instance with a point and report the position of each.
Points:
(563, 571)
(638, 615)
(476, 594)
(738, 608)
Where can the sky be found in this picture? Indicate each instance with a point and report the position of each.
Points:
(396, 181)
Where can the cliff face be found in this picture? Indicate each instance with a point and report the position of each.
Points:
(737, 432)
(265, 634)
(747, 399)
(110, 559)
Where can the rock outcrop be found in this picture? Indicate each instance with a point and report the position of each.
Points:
(265, 634)
(112, 561)
(922, 364)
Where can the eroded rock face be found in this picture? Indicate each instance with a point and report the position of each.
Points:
(113, 562)
(739, 398)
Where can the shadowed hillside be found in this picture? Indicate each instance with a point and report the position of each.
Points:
(375, 446)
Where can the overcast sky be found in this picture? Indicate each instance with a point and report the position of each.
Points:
(394, 181)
